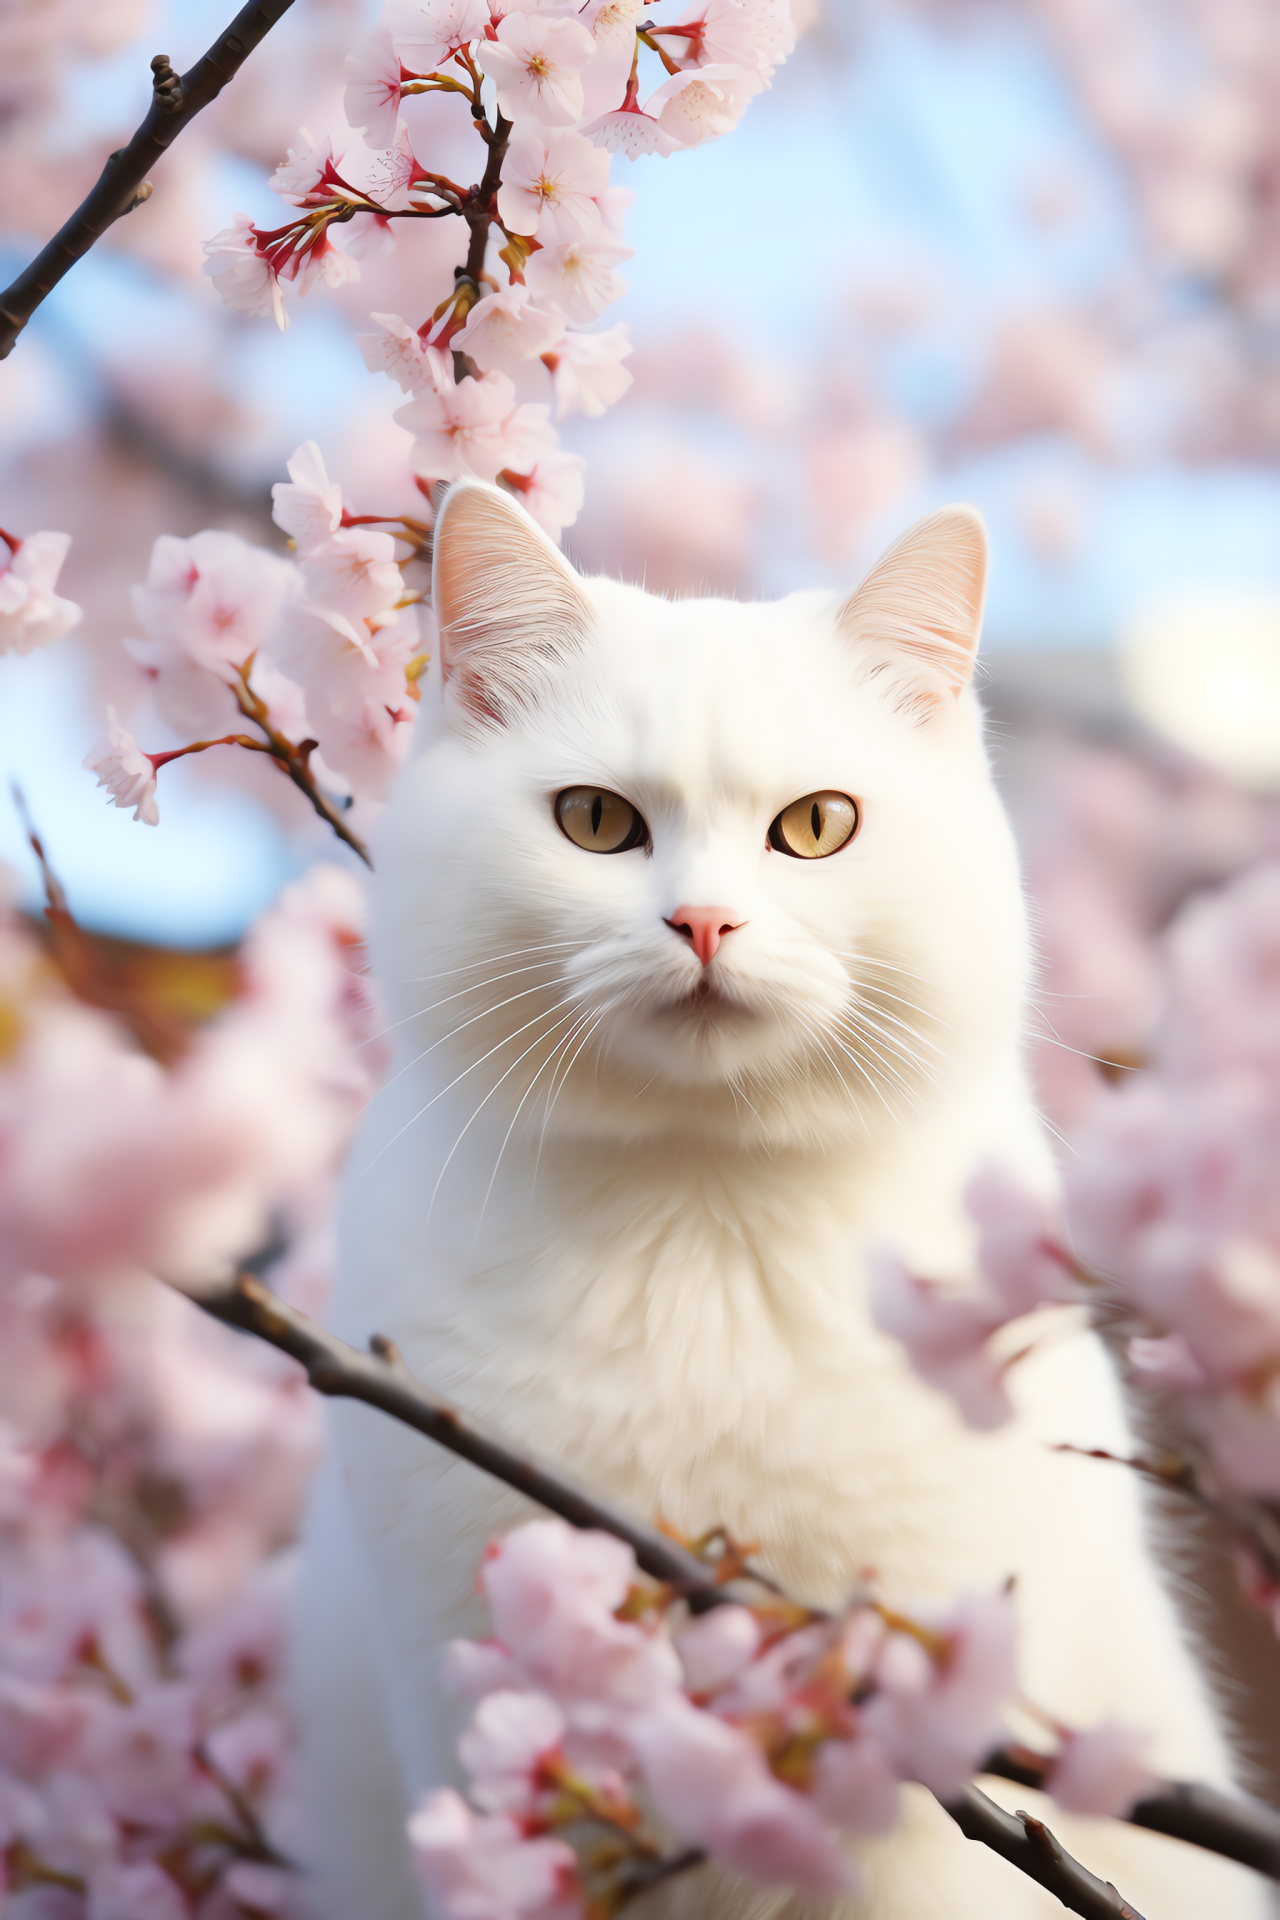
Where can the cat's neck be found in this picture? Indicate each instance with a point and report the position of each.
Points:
(476, 1195)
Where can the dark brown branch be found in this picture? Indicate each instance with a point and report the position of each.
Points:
(1026, 1843)
(480, 214)
(382, 1380)
(122, 183)
(292, 760)
(1242, 1830)
(640, 1875)
(1238, 1831)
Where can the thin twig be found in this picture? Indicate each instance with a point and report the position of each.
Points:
(1026, 1843)
(382, 1380)
(1242, 1830)
(1185, 1811)
(292, 760)
(122, 184)
(639, 1876)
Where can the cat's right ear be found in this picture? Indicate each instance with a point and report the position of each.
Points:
(507, 602)
(916, 617)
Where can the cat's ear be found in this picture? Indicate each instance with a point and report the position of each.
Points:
(507, 602)
(917, 615)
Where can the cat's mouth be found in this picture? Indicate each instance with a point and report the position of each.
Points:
(706, 1002)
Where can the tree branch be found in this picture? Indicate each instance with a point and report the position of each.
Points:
(1243, 1830)
(122, 185)
(1238, 1830)
(381, 1379)
(1026, 1843)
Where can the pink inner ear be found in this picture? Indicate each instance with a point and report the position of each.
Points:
(507, 601)
(922, 604)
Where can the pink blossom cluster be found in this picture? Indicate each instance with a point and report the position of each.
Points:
(759, 1734)
(553, 91)
(31, 613)
(114, 1162)
(1169, 1215)
(152, 1464)
(1173, 1191)
(952, 1332)
(324, 648)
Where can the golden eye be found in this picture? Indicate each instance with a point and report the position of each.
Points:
(812, 828)
(598, 820)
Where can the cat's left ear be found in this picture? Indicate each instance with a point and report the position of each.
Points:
(918, 613)
(508, 604)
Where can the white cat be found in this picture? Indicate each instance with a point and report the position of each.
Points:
(703, 929)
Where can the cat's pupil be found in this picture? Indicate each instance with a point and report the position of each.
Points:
(597, 809)
(816, 818)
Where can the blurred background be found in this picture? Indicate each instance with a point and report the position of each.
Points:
(1024, 253)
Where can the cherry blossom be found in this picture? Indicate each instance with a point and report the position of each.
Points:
(209, 605)
(308, 506)
(505, 1746)
(316, 258)
(469, 1668)
(483, 1868)
(242, 273)
(505, 330)
(372, 99)
(714, 1648)
(856, 1785)
(536, 64)
(399, 351)
(247, 266)
(702, 103)
(1101, 1770)
(306, 176)
(213, 597)
(459, 430)
(549, 184)
(937, 1718)
(31, 613)
(425, 32)
(577, 276)
(351, 582)
(128, 774)
(947, 1336)
(756, 34)
(360, 707)
(630, 129)
(1223, 1009)
(1021, 1254)
(588, 374)
(554, 1593)
(139, 1891)
(711, 1781)
(177, 1170)
(613, 28)
(553, 487)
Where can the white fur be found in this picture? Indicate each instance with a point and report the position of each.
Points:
(626, 1227)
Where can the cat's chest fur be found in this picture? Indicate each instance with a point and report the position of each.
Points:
(685, 1327)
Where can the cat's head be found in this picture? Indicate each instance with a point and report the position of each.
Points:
(667, 864)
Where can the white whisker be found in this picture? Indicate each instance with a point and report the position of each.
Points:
(461, 1027)
(559, 1080)
(507, 1038)
(566, 1041)
(502, 1078)
(865, 1046)
(490, 960)
(420, 1013)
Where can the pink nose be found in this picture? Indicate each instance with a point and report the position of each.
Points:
(704, 928)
